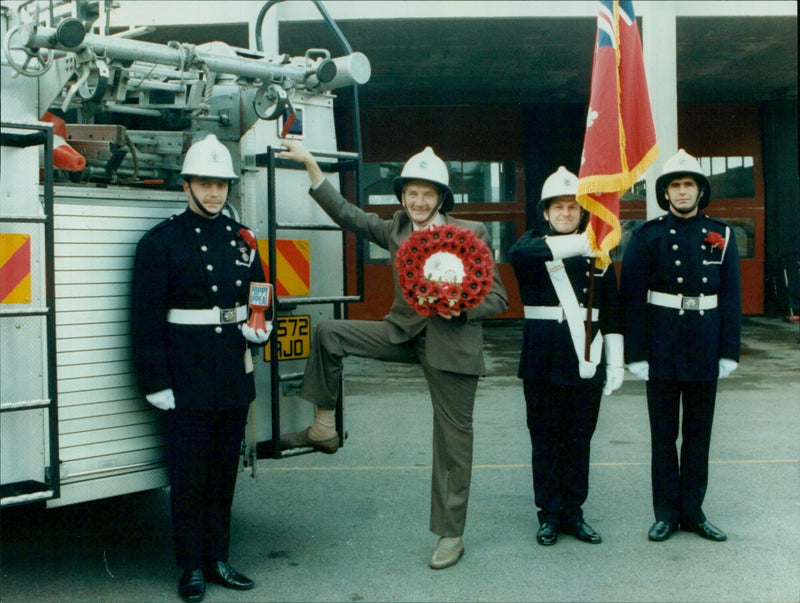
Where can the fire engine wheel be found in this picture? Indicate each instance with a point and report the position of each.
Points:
(25, 61)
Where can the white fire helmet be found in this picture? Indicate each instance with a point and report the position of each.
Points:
(561, 183)
(430, 168)
(208, 158)
(681, 163)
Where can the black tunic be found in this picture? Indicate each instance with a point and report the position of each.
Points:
(191, 262)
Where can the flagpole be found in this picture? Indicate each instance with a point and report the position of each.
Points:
(588, 343)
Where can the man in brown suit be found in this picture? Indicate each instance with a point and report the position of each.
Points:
(447, 346)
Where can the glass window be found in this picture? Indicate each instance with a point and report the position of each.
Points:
(471, 181)
(730, 178)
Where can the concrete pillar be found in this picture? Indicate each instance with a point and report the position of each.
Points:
(659, 47)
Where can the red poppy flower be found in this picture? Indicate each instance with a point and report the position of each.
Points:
(715, 240)
(444, 268)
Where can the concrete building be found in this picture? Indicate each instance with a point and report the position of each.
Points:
(501, 89)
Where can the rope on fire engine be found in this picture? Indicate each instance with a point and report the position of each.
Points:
(189, 59)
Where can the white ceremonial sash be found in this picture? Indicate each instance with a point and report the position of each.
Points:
(575, 314)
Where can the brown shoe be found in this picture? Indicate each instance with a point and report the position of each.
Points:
(447, 553)
(300, 439)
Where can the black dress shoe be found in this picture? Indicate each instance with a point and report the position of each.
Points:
(547, 534)
(192, 587)
(705, 530)
(661, 530)
(582, 531)
(224, 574)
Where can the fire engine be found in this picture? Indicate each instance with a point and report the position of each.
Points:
(94, 128)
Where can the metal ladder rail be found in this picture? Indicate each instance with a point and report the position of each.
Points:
(351, 161)
(36, 135)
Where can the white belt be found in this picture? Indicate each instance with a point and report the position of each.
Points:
(554, 313)
(682, 302)
(214, 316)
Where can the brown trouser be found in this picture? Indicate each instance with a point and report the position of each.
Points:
(452, 396)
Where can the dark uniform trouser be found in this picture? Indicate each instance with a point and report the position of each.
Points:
(203, 463)
(452, 396)
(679, 487)
(561, 422)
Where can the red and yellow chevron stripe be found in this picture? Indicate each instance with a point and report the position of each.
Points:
(293, 267)
(15, 269)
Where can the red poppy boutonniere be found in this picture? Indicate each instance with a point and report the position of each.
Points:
(444, 268)
(716, 240)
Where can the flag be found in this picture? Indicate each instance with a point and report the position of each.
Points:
(620, 141)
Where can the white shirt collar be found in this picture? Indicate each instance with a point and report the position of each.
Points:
(437, 221)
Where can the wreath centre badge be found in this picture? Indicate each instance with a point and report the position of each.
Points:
(444, 268)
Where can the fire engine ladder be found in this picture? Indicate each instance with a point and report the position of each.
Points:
(32, 490)
(343, 162)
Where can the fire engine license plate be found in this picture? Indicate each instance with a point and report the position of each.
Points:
(294, 338)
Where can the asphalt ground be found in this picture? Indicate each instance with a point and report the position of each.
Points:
(354, 526)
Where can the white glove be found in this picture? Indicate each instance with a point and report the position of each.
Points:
(165, 399)
(640, 370)
(615, 362)
(567, 246)
(726, 367)
(257, 337)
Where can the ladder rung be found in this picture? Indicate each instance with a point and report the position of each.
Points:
(305, 301)
(24, 405)
(300, 226)
(26, 312)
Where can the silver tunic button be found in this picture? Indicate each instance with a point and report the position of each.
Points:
(681, 312)
(677, 262)
(238, 283)
(702, 312)
(671, 231)
(228, 228)
(680, 279)
(218, 330)
(703, 230)
(705, 279)
(197, 230)
(214, 288)
(203, 248)
(233, 243)
(675, 247)
(209, 267)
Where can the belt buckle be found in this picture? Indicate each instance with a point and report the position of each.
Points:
(227, 316)
(690, 303)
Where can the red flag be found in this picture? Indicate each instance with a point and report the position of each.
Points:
(620, 141)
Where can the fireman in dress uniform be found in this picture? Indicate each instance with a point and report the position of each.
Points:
(191, 283)
(682, 301)
(447, 346)
(563, 389)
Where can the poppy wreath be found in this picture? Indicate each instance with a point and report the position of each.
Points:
(444, 268)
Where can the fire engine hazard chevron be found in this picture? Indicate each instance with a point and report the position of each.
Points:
(293, 266)
(15, 268)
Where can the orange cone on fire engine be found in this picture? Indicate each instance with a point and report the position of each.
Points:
(64, 156)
